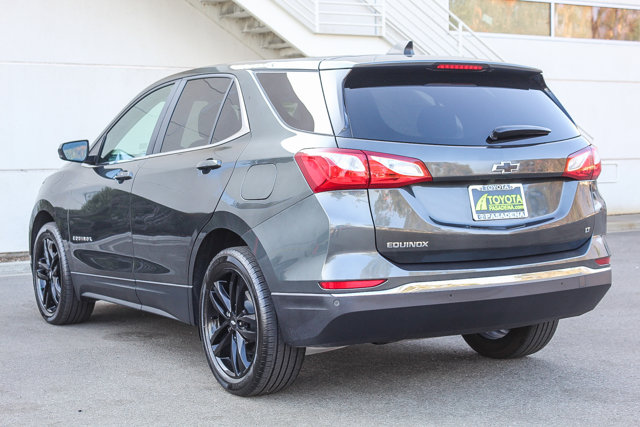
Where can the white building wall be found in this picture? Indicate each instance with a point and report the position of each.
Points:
(68, 66)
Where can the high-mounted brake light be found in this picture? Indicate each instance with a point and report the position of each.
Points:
(454, 66)
(584, 164)
(327, 169)
(351, 284)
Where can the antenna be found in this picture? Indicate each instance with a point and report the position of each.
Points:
(402, 48)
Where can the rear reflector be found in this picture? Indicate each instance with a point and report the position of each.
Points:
(351, 284)
(327, 169)
(603, 261)
(466, 67)
(584, 164)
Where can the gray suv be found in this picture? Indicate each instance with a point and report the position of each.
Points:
(320, 203)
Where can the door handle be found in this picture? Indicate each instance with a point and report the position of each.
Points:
(123, 176)
(207, 165)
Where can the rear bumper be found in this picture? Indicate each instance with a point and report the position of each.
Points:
(439, 308)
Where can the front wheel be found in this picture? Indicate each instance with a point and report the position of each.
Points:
(512, 343)
(239, 328)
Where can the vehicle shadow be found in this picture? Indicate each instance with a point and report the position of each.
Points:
(437, 369)
(164, 336)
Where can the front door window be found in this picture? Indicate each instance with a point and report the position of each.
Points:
(131, 135)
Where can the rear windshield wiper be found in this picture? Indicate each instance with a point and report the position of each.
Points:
(502, 133)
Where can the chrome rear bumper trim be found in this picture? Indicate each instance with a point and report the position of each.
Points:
(511, 279)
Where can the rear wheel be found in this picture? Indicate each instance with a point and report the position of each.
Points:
(52, 285)
(512, 343)
(239, 328)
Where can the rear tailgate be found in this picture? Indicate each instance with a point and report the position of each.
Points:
(433, 222)
(487, 200)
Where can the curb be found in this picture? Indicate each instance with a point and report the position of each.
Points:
(622, 223)
(14, 256)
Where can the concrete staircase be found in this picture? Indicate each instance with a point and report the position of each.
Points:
(274, 31)
(261, 37)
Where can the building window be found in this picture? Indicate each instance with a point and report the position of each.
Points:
(592, 22)
(534, 18)
(504, 16)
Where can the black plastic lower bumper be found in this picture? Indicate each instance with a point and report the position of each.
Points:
(333, 320)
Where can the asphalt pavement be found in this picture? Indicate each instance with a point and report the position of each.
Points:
(128, 367)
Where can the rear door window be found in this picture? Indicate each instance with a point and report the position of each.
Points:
(230, 120)
(196, 113)
(449, 108)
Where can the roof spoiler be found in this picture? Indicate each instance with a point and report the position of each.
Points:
(402, 48)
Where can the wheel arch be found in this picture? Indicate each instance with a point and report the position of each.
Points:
(223, 231)
(42, 213)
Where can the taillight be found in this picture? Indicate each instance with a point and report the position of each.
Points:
(394, 171)
(584, 164)
(603, 261)
(327, 169)
(351, 284)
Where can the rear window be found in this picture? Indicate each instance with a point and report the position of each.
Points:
(448, 108)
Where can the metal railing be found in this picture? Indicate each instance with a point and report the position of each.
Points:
(353, 17)
(434, 29)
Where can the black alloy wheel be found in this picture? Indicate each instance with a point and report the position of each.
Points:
(231, 328)
(48, 287)
(239, 328)
(55, 296)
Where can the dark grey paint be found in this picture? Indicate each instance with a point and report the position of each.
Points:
(167, 216)
(98, 208)
(259, 181)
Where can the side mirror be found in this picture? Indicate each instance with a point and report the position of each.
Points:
(74, 151)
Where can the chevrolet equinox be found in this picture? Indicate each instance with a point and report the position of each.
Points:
(319, 203)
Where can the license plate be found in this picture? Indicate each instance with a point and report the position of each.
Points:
(497, 201)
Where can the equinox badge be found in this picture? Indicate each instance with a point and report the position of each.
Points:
(505, 167)
(398, 245)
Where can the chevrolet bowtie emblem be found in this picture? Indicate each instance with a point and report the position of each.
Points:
(505, 167)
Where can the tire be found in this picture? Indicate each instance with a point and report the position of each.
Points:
(239, 328)
(514, 343)
(55, 296)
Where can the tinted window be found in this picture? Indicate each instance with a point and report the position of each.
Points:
(298, 99)
(230, 120)
(460, 111)
(130, 136)
(195, 114)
